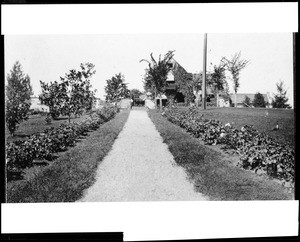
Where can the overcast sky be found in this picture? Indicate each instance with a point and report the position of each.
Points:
(47, 57)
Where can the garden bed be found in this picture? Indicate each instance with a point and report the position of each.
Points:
(65, 178)
(214, 173)
(257, 150)
(24, 153)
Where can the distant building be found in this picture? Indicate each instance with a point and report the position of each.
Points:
(177, 72)
(36, 105)
(241, 97)
(223, 103)
(98, 103)
(147, 100)
(124, 103)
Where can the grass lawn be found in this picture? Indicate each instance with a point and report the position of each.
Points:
(65, 179)
(262, 119)
(212, 173)
(35, 124)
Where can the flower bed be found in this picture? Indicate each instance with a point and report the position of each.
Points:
(257, 150)
(22, 153)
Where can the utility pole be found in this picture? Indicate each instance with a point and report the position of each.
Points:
(204, 72)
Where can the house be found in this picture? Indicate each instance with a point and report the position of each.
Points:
(98, 103)
(36, 105)
(223, 103)
(174, 78)
(124, 103)
(173, 89)
(147, 100)
(240, 97)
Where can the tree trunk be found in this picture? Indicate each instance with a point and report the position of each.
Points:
(160, 103)
(198, 98)
(155, 101)
(235, 104)
(69, 118)
(217, 99)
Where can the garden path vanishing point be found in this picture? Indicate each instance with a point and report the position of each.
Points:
(140, 168)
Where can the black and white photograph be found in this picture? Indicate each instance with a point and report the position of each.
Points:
(104, 118)
(149, 117)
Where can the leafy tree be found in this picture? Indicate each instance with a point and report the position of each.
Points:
(17, 100)
(155, 79)
(234, 66)
(116, 89)
(280, 100)
(135, 93)
(217, 79)
(259, 100)
(247, 101)
(72, 95)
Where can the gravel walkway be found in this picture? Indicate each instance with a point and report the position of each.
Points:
(140, 168)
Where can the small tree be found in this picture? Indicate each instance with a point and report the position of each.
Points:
(135, 96)
(217, 79)
(18, 92)
(247, 101)
(135, 93)
(116, 89)
(157, 73)
(234, 66)
(72, 95)
(259, 100)
(280, 100)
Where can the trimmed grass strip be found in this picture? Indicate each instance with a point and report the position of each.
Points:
(67, 177)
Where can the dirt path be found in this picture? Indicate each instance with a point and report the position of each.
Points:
(140, 168)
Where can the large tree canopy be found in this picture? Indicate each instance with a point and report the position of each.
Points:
(116, 89)
(157, 73)
(72, 95)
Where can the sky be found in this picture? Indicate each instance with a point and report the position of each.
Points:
(47, 57)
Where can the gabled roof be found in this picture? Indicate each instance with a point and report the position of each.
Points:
(240, 97)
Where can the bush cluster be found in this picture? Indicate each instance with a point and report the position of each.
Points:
(257, 151)
(22, 153)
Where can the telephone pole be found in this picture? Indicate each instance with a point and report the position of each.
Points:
(204, 72)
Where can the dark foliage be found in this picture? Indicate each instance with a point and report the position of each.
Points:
(22, 153)
(257, 150)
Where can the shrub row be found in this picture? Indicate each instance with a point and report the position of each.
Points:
(22, 153)
(257, 151)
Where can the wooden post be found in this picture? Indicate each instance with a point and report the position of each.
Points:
(235, 104)
(204, 72)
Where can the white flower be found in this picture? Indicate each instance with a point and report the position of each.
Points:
(222, 135)
(228, 124)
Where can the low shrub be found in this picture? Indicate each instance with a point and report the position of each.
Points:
(257, 150)
(21, 153)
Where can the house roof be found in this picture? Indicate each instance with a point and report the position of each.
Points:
(143, 97)
(240, 97)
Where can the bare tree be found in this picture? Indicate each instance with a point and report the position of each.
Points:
(234, 66)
